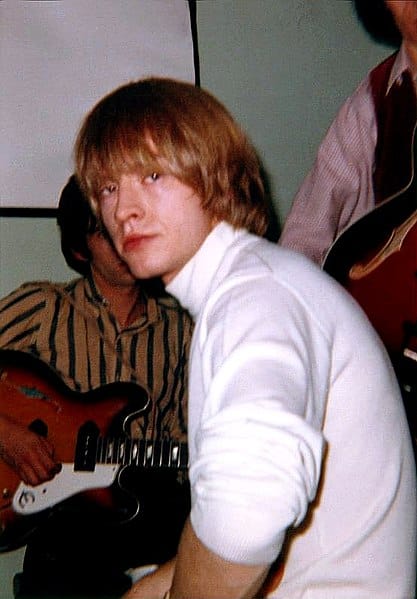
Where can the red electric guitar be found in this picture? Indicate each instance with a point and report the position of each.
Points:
(90, 433)
(375, 259)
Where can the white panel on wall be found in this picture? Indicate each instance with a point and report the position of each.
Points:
(58, 58)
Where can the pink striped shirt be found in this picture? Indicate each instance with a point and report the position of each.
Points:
(339, 188)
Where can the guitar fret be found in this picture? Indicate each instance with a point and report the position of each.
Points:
(121, 455)
(175, 453)
(103, 451)
(125, 448)
(109, 452)
(148, 454)
(134, 453)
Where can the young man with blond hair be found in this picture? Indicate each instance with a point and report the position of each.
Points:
(298, 441)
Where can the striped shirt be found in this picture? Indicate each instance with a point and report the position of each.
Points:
(70, 328)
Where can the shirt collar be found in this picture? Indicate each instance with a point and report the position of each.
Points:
(402, 63)
(92, 291)
(152, 309)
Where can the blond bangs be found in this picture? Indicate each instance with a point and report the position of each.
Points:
(173, 127)
(118, 150)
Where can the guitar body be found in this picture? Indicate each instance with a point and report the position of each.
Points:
(389, 309)
(376, 261)
(102, 488)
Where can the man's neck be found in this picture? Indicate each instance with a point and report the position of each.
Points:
(123, 301)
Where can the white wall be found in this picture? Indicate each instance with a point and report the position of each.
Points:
(57, 60)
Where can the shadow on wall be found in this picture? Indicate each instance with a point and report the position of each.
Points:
(378, 22)
(274, 230)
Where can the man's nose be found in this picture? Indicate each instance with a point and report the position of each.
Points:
(129, 199)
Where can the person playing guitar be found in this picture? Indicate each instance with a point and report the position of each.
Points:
(356, 211)
(79, 339)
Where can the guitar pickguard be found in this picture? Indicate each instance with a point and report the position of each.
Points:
(31, 500)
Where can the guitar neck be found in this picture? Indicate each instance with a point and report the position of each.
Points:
(92, 449)
(142, 453)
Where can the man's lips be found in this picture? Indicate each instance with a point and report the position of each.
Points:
(133, 242)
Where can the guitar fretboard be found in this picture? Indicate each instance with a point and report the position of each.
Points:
(146, 454)
(92, 449)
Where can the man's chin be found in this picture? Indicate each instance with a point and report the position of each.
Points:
(145, 274)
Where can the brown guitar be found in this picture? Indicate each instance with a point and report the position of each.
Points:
(375, 259)
(90, 433)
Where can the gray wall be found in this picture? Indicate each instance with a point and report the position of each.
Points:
(282, 67)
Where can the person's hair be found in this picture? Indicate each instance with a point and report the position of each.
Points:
(378, 21)
(169, 126)
(75, 220)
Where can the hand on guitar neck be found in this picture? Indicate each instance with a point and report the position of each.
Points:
(30, 454)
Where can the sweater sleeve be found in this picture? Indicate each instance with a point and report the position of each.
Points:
(259, 445)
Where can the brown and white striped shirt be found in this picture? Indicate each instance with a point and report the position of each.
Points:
(70, 328)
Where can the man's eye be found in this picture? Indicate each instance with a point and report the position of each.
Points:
(152, 177)
(107, 190)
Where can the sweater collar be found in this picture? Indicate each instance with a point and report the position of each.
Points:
(192, 284)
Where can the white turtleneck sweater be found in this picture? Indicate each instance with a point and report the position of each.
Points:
(296, 425)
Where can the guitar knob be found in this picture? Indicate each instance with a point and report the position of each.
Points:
(6, 494)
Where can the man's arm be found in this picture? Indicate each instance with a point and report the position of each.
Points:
(201, 574)
(339, 188)
(197, 573)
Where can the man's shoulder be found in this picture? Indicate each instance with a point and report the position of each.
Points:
(284, 269)
(370, 87)
(168, 303)
(37, 290)
(263, 264)
(29, 289)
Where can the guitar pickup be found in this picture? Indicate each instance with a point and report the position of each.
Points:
(86, 447)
